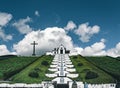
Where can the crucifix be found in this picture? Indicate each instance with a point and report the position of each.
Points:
(34, 43)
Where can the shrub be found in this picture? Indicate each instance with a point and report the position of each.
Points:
(91, 75)
(34, 74)
(37, 69)
(45, 63)
(79, 64)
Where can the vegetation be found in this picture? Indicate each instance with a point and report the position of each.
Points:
(34, 73)
(118, 58)
(107, 64)
(99, 76)
(80, 64)
(7, 57)
(11, 65)
(91, 75)
(45, 63)
(33, 69)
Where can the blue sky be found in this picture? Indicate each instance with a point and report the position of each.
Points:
(42, 14)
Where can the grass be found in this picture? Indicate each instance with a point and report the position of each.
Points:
(87, 66)
(11, 65)
(24, 77)
(108, 64)
(22, 66)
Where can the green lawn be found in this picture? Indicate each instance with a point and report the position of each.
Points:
(11, 65)
(20, 67)
(24, 77)
(108, 64)
(87, 66)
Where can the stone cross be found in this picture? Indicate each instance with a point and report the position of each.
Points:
(34, 43)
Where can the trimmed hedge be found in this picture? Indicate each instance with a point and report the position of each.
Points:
(34, 74)
(45, 63)
(91, 75)
(37, 69)
(79, 64)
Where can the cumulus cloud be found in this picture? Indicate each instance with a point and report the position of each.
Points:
(4, 36)
(37, 13)
(114, 52)
(52, 37)
(76, 51)
(4, 18)
(47, 40)
(4, 50)
(22, 25)
(70, 26)
(97, 49)
(85, 32)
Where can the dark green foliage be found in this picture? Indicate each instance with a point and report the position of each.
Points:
(45, 63)
(34, 74)
(31, 72)
(9, 73)
(13, 65)
(37, 69)
(75, 57)
(118, 58)
(7, 57)
(79, 64)
(103, 77)
(107, 64)
(91, 75)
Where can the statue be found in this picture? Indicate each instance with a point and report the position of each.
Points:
(34, 43)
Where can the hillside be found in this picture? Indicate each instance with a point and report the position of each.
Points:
(85, 68)
(108, 64)
(33, 69)
(7, 57)
(38, 70)
(10, 65)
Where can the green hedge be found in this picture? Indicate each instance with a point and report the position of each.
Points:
(34, 74)
(45, 63)
(79, 64)
(91, 75)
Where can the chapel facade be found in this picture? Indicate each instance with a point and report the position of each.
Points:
(61, 50)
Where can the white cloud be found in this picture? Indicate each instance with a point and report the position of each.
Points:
(47, 40)
(97, 49)
(77, 50)
(22, 25)
(50, 38)
(4, 36)
(85, 32)
(114, 52)
(37, 13)
(4, 50)
(70, 26)
(103, 40)
(4, 18)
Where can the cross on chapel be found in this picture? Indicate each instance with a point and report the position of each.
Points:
(34, 43)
